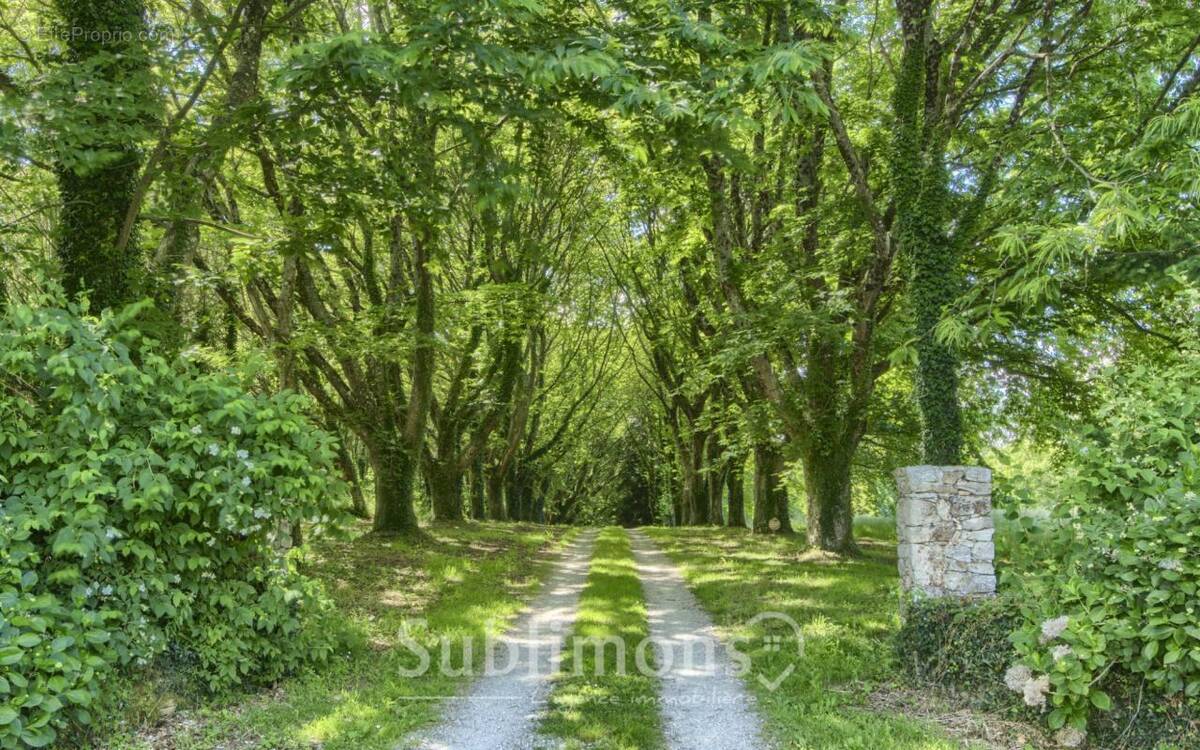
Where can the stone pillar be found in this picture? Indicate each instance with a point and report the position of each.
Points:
(944, 531)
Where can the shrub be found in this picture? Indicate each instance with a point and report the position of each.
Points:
(961, 644)
(1116, 584)
(140, 500)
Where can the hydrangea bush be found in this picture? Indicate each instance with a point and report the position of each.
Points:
(140, 504)
(1119, 590)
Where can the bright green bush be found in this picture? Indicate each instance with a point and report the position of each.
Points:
(140, 501)
(1115, 588)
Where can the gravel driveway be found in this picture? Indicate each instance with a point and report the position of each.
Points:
(500, 711)
(704, 705)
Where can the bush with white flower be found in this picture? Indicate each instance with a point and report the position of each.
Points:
(138, 500)
(1114, 587)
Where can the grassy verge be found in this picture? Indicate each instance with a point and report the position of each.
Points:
(605, 704)
(847, 610)
(465, 580)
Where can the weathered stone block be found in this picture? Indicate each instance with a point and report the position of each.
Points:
(945, 531)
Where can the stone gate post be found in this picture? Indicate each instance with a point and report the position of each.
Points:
(945, 532)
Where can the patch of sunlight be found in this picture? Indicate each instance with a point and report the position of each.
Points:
(813, 581)
(452, 573)
(819, 627)
(597, 617)
(399, 599)
(349, 712)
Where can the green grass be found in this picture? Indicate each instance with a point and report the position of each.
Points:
(847, 611)
(593, 705)
(465, 580)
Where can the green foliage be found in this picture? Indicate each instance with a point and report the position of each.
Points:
(1114, 584)
(959, 644)
(140, 510)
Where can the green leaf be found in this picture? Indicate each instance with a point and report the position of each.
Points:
(1101, 700)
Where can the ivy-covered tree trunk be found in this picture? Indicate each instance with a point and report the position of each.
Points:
(920, 190)
(395, 475)
(445, 490)
(96, 191)
(827, 487)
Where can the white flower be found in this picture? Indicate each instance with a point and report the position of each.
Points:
(235, 430)
(1016, 677)
(197, 430)
(248, 464)
(107, 590)
(1052, 629)
(262, 513)
(1035, 691)
(245, 481)
(213, 449)
(1061, 652)
(1070, 737)
(1171, 564)
(243, 455)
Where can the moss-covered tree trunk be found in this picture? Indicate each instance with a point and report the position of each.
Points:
(395, 475)
(106, 38)
(827, 487)
(445, 489)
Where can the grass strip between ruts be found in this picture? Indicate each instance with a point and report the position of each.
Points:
(601, 700)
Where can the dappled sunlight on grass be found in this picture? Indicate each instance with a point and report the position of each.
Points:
(847, 611)
(594, 704)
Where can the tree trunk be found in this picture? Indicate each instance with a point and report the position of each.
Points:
(395, 473)
(96, 199)
(695, 494)
(736, 518)
(495, 495)
(827, 485)
(515, 496)
(921, 185)
(770, 493)
(715, 480)
(358, 504)
(445, 490)
(477, 492)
